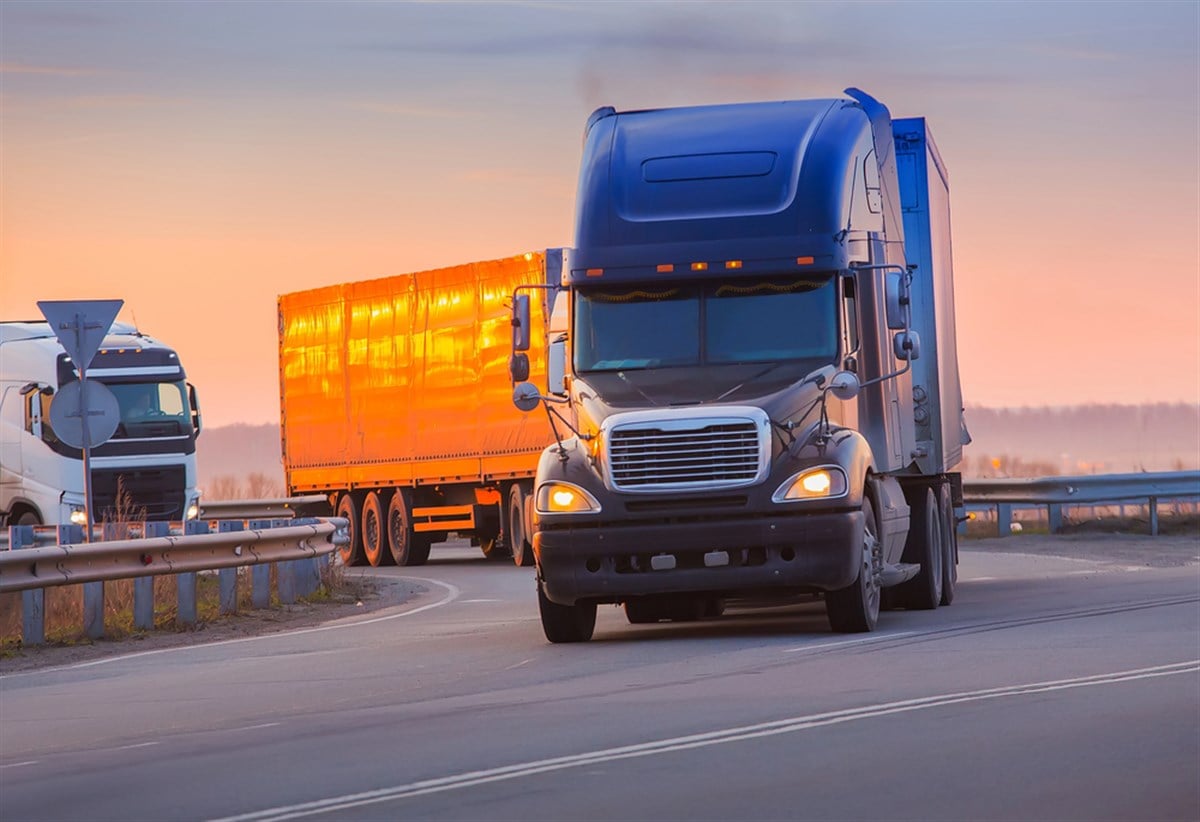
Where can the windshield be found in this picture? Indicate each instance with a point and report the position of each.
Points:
(775, 319)
(152, 408)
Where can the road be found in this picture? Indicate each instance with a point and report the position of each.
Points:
(1052, 689)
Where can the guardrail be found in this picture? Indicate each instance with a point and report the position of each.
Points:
(1055, 493)
(261, 508)
(295, 549)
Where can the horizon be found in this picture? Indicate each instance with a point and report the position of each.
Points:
(198, 160)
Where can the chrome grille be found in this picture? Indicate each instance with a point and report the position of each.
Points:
(651, 457)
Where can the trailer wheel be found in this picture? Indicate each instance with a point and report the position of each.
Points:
(566, 623)
(522, 550)
(925, 546)
(949, 544)
(406, 545)
(374, 541)
(855, 608)
(351, 552)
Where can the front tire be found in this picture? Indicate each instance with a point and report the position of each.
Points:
(566, 623)
(855, 608)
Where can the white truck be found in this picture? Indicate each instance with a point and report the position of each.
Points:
(147, 469)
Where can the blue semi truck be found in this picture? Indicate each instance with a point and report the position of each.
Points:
(753, 373)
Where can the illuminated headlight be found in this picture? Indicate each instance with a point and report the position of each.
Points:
(564, 498)
(193, 511)
(78, 516)
(812, 483)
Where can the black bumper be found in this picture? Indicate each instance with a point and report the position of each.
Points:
(609, 563)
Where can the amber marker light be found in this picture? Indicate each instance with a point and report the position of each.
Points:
(804, 261)
(733, 263)
(699, 266)
(595, 272)
(666, 268)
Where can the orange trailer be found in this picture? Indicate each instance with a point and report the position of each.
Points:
(396, 400)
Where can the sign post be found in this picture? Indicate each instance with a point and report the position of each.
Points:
(81, 326)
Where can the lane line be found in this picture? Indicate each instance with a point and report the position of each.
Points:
(452, 593)
(519, 664)
(700, 740)
(872, 638)
(254, 727)
(20, 764)
(130, 747)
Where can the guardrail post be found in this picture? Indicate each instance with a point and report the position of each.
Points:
(1004, 518)
(33, 602)
(143, 587)
(1153, 516)
(229, 576)
(260, 575)
(185, 597)
(1054, 517)
(307, 571)
(93, 594)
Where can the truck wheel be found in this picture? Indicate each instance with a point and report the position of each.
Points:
(949, 545)
(855, 608)
(351, 552)
(374, 542)
(28, 517)
(566, 623)
(924, 591)
(406, 545)
(492, 548)
(522, 550)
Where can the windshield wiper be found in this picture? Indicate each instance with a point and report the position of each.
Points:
(631, 384)
(744, 382)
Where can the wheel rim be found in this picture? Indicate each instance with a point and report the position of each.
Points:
(399, 537)
(372, 535)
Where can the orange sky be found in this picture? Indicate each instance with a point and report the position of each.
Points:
(197, 160)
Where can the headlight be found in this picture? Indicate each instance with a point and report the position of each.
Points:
(193, 511)
(78, 516)
(564, 498)
(823, 482)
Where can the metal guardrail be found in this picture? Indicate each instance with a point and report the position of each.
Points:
(259, 508)
(1053, 493)
(296, 550)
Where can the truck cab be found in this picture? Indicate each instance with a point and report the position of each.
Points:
(147, 470)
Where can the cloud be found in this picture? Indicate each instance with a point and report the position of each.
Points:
(47, 71)
(406, 109)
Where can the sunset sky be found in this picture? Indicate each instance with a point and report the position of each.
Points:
(198, 159)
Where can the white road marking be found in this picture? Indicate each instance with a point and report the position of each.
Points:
(465, 601)
(20, 764)
(255, 727)
(701, 740)
(452, 593)
(871, 638)
(519, 664)
(131, 747)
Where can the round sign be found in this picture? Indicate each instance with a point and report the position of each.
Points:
(68, 414)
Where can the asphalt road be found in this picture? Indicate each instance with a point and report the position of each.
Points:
(1051, 689)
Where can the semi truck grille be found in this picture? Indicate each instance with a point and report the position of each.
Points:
(685, 454)
(154, 494)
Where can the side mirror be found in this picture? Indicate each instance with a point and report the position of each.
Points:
(518, 367)
(556, 366)
(520, 322)
(907, 345)
(844, 385)
(526, 396)
(195, 403)
(896, 297)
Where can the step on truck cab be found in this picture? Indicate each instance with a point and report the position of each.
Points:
(759, 390)
(146, 471)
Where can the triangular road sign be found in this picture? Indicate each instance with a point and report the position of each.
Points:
(80, 325)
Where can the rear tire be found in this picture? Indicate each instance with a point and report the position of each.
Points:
(351, 553)
(407, 547)
(374, 541)
(566, 623)
(522, 550)
(949, 545)
(28, 517)
(925, 547)
(855, 608)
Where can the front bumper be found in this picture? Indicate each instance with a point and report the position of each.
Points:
(612, 562)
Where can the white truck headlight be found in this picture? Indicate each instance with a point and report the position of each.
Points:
(822, 482)
(78, 516)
